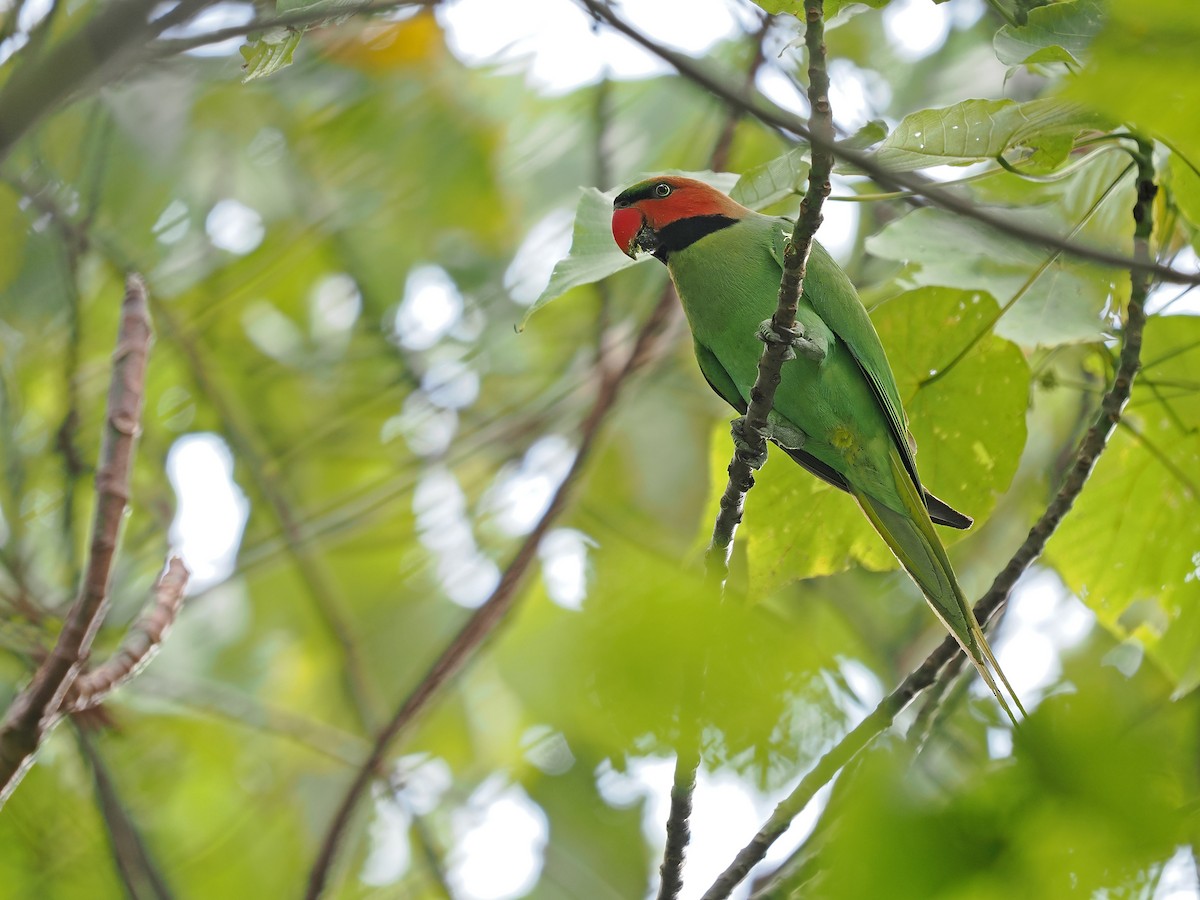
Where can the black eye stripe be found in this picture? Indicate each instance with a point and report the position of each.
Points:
(645, 192)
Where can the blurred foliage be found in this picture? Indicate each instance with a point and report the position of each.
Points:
(338, 255)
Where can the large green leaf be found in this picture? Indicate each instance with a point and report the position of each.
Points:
(977, 130)
(969, 425)
(1058, 32)
(1065, 304)
(594, 254)
(773, 181)
(1144, 70)
(1131, 545)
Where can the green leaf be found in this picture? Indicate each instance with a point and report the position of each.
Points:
(593, 254)
(1067, 301)
(969, 426)
(773, 181)
(867, 136)
(796, 7)
(270, 53)
(1184, 184)
(643, 637)
(1130, 547)
(14, 232)
(977, 130)
(1144, 70)
(1059, 32)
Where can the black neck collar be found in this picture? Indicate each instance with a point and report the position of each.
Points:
(682, 233)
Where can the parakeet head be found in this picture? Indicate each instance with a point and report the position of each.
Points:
(664, 214)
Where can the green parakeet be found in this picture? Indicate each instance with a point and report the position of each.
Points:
(837, 410)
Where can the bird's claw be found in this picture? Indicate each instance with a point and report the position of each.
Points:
(753, 457)
(770, 333)
(782, 433)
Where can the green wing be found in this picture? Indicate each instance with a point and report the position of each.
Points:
(722, 383)
(835, 300)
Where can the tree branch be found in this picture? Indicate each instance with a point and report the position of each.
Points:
(140, 873)
(783, 322)
(487, 617)
(687, 764)
(143, 641)
(762, 109)
(299, 18)
(328, 601)
(687, 758)
(40, 84)
(1088, 452)
(33, 712)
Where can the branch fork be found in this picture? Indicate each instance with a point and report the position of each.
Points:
(57, 687)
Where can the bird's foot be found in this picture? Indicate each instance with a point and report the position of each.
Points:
(750, 454)
(781, 432)
(770, 333)
(784, 433)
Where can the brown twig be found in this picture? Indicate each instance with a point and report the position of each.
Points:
(783, 322)
(322, 587)
(143, 641)
(135, 864)
(41, 83)
(1088, 452)
(34, 710)
(485, 619)
(762, 109)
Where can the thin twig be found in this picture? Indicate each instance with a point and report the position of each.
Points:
(231, 706)
(322, 587)
(140, 873)
(688, 756)
(762, 109)
(1090, 447)
(687, 764)
(143, 641)
(306, 17)
(795, 261)
(487, 617)
(33, 711)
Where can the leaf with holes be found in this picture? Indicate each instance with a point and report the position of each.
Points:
(978, 130)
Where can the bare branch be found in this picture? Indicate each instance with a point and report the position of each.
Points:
(135, 863)
(765, 111)
(37, 87)
(1088, 452)
(783, 323)
(143, 641)
(487, 617)
(33, 711)
(687, 763)
(322, 587)
(307, 17)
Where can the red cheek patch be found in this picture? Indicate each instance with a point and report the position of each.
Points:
(626, 223)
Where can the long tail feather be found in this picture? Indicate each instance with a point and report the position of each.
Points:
(911, 536)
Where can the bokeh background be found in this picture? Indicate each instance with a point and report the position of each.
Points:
(348, 440)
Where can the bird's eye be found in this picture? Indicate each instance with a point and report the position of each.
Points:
(662, 189)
